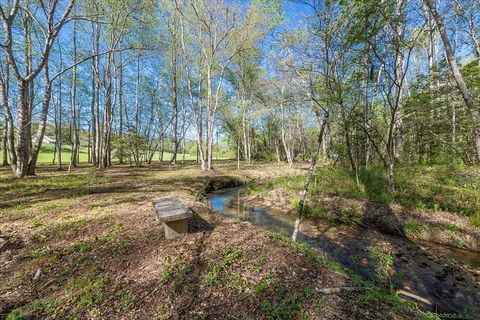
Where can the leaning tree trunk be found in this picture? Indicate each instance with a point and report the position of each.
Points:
(306, 186)
(399, 77)
(457, 75)
(23, 132)
(42, 124)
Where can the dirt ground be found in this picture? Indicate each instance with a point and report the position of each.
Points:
(87, 246)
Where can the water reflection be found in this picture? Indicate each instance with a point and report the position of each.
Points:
(228, 203)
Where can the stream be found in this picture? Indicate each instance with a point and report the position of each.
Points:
(446, 279)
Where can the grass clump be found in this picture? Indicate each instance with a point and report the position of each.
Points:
(383, 262)
(263, 286)
(213, 276)
(230, 255)
(414, 227)
(349, 215)
(288, 308)
(127, 300)
(17, 314)
(475, 220)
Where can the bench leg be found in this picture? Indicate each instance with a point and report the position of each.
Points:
(174, 228)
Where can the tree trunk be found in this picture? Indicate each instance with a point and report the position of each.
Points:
(107, 115)
(7, 137)
(184, 131)
(42, 123)
(399, 79)
(94, 95)
(208, 118)
(4, 145)
(73, 103)
(162, 149)
(58, 124)
(200, 152)
(27, 23)
(391, 176)
(23, 136)
(137, 114)
(174, 106)
(457, 75)
(348, 143)
(120, 114)
(310, 172)
(96, 114)
(245, 139)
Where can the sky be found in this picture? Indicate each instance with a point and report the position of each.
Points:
(294, 13)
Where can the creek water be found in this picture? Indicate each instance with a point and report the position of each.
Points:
(449, 279)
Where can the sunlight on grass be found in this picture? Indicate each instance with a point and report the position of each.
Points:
(47, 154)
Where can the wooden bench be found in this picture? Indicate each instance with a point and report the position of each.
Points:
(174, 214)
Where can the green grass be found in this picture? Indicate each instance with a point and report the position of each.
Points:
(326, 179)
(288, 308)
(475, 220)
(213, 276)
(47, 153)
(447, 188)
(415, 227)
(28, 187)
(441, 188)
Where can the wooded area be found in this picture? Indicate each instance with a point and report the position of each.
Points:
(316, 107)
(398, 81)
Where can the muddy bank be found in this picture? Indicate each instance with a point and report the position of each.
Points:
(216, 183)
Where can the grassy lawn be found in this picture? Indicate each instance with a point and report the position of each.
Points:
(47, 154)
(87, 245)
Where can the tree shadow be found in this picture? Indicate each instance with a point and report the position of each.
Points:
(383, 218)
(198, 224)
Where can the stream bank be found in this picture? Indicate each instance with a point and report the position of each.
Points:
(447, 280)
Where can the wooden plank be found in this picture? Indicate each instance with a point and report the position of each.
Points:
(170, 208)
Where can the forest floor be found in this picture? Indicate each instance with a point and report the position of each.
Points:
(87, 246)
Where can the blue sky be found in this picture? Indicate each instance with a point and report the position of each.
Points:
(294, 13)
